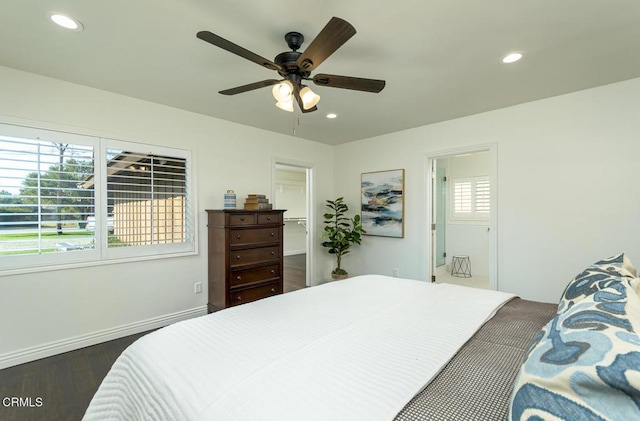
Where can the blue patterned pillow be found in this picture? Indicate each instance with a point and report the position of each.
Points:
(598, 276)
(585, 363)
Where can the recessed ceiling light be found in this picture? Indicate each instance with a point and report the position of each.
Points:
(332, 115)
(66, 22)
(512, 57)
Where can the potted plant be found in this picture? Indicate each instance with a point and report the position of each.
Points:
(340, 233)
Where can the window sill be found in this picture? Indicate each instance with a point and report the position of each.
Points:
(66, 266)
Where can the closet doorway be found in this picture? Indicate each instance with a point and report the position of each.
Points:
(462, 195)
(291, 191)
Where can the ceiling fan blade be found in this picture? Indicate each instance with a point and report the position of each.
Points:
(249, 87)
(237, 50)
(332, 36)
(347, 82)
(296, 94)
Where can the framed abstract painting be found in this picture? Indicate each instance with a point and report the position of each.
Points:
(382, 205)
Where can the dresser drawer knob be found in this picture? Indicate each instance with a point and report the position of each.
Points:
(273, 271)
(238, 257)
(242, 218)
(239, 298)
(273, 233)
(239, 278)
(268, 218)
(273, 253)
(238, 236)
(273, 290)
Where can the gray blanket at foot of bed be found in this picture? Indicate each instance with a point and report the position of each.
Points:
(477, 383)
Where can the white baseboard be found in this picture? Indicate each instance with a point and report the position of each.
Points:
(292, 252)
(57, 347)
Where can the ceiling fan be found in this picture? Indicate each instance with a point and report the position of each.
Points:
(296, 67)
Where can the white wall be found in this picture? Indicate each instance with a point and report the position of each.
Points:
(470, 240)
(49, 312)
(567, 187)
(291, 193)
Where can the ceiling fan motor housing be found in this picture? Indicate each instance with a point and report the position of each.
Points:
(294, 40)
(288, 60)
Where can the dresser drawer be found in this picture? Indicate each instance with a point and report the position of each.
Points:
(241, 219)
(253, 294)
(253, 256)
(246, 276)
(270, 218)
(243, 237)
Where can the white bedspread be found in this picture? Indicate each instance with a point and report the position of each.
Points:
(357, 349)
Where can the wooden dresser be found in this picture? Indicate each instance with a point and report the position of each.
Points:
(245, 256)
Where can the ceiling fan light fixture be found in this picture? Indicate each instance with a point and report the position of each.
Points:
(309, 98)
(282, 91)
(285, 105)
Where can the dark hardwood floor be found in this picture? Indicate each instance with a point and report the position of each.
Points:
(59, 388)
(295, 268)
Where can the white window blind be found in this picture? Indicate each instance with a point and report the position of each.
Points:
(470, 198)
(42, 208)
(462, 197)
(483, 197)
(146, 197)
(67, 198)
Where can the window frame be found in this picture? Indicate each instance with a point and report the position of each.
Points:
(101, 254)
(145, 250)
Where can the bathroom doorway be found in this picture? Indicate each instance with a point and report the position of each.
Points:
(461, 218)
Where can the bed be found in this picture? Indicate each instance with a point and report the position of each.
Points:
(368, 348)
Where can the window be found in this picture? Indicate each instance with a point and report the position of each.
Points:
(67, 198)
(470, 198)
(462, 198)
(146, 198)
(483, 197)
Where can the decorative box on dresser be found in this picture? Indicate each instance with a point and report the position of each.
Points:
(245, 256)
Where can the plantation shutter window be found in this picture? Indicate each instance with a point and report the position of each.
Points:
(483, 197)
(146, 196)
(470, 198)
(74, 199)
(462, 198)
(42, 207)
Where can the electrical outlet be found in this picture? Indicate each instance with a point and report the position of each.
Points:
(396, 272)
(197, 288)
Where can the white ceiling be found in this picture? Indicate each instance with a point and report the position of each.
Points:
(440, 58)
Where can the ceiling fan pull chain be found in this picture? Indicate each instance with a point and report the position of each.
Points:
(296, 122)
(293, 124)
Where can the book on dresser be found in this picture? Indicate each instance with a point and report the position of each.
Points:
(264, 206)
(245, 255)
(257, 202)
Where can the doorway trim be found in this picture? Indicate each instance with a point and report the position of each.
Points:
(310, 238)
(492, 148)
